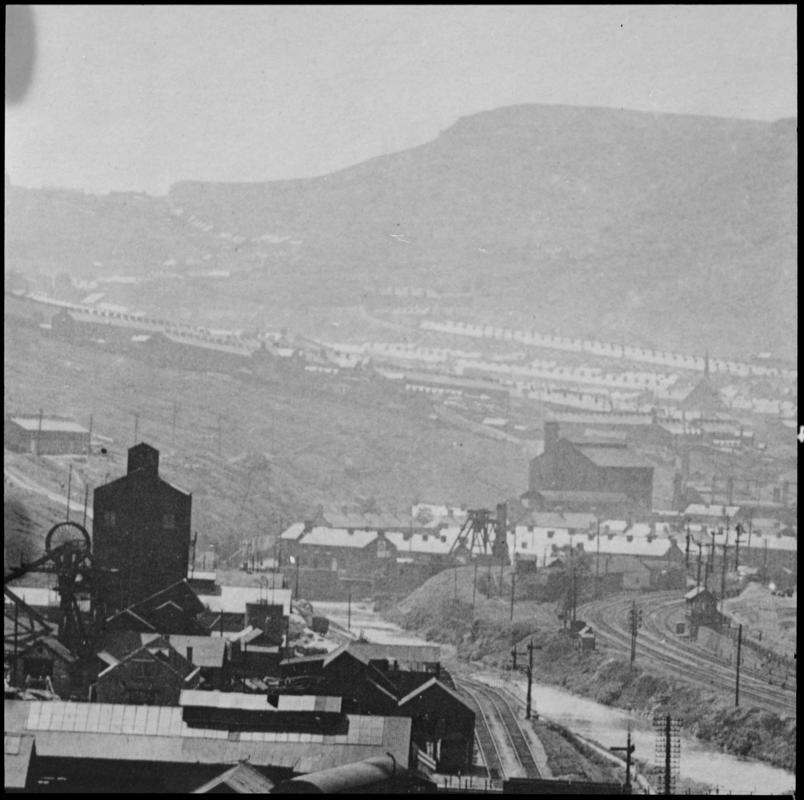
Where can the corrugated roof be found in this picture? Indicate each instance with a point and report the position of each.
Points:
(241, 779)
(49, 425)
(411, 653)
(258, 702)
(338, 537)
(17, 759)
(119, 732)
(580, 496)
(607, 455)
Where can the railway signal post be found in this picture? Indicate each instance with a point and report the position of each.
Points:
(528, 671)
(628, 750)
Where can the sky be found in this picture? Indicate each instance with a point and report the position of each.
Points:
(138, 97)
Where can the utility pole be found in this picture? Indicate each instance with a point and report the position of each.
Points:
(597, 561)
(687, 549)
(474, 586)
(667, 757)
(39, 434)
(628, 750)
(635, 620)
(698, 579)
(739, 653)
(69, 489)
(86, 500)
(723, 580)
(738, 530)
(513, 588)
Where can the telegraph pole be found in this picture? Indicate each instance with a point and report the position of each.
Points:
(635, 618)
(687, 549)
(698, 579)
(39, 434)
(723, 580)
(737, 682)
(738, 530)
(513, 588)
(69, 489)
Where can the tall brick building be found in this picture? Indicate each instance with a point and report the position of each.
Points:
(588, 468)
(141, 532)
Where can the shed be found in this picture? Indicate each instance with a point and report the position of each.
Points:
(45, 435)
(443, 724)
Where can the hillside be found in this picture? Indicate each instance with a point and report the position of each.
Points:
(286, 446)
(675, 232)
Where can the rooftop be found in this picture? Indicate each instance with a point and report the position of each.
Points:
(612, 455)
(49, 424)
(118, 732)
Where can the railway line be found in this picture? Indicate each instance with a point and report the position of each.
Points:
(609, 618)
(511, 757)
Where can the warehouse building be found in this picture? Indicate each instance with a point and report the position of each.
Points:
(611, 468)
(46, 436)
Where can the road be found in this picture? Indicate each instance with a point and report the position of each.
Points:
(18, 478)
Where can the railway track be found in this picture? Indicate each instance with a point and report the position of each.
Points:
(493, 703)
(609, 618)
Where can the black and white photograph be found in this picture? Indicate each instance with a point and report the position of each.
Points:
(400, 399)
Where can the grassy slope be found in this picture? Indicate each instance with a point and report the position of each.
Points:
(487, 633)
(321, 448)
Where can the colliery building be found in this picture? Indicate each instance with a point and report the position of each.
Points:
(45, 435)
(141, 532)
(606, 473)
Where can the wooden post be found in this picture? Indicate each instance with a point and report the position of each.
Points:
(737, 683)
(69, 489)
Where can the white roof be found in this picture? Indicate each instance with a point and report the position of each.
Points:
(258, 702)
(434, 543)
(338, 537)
(537, 542)
(49, 424)
(293, 532)
(233, 599)
(715, 510)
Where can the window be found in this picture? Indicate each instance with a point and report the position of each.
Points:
(169, 521)
(110, 518)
